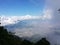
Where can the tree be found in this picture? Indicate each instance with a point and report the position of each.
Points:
(43, 41)
(7, 38)
(26, 42)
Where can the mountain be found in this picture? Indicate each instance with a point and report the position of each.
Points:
(25, 29)
(7, 38)
(22, 24)
(29, 28)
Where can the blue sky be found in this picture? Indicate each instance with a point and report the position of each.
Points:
(21, 7)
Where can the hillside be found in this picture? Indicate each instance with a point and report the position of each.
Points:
(8, 38)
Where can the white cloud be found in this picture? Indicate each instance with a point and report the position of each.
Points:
(24, 32)
(54, 6)
(47, 13)
(55, 21)
(35, 27)
(5, 20)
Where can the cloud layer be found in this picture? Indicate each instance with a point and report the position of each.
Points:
(55, 21)
(6, 20)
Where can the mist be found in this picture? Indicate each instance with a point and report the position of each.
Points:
(47, 28)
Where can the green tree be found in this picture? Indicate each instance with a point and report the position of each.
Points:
(7, 38)
(43, 41)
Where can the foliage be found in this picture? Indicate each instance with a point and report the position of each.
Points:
(7, 38)
(43, 41)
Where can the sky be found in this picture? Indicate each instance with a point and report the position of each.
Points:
(21, 7)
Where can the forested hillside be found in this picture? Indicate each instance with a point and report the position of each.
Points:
(8, 38)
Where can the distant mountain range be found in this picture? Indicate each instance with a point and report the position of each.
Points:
(24, 29)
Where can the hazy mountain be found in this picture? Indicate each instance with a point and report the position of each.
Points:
(22, 24)
(25, 29)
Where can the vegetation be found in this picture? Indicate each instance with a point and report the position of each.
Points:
(43, 41)
(7, 38)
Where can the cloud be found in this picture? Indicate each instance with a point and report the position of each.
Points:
(34, 27)
(47, 13)
(53, 5)
(6, 20)
(24, 32)
(48, 28)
